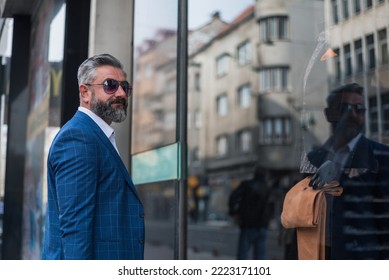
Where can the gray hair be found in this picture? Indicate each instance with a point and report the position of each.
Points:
(86, 71)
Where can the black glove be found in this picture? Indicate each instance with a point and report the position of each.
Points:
(329, 171)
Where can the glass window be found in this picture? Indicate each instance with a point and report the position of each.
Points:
(273, 79)
(258, 81)
(335, 17)
(373, 115)
(222, 65)
(197, 81)
(347, 60)
(345, 9)
(357, 6)
(222, 105)
(368, 4)
(383, 45)
(244, 96)
(244, 53)
(275, 130)
(195, 153)
(274, 28)
(370, 51)
(222, 145)
(197, 119)
(385, 112)
(338, 69)
(358, 55)
(244, 141)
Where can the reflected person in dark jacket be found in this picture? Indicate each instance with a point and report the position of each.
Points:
(357, 225)
(252, 205)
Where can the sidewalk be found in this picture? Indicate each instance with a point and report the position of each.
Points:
(165, 252)
(205, 242)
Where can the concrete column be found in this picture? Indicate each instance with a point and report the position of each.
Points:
(111, 31)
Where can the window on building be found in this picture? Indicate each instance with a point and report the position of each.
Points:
(337, 65)
(244, 96)
(345, 9)
(381, 1)
(275, 130)
(196, 154)
(347, 60)
(373, 115)
(222, 65)
(244, 142)
(368, 4)
(383, 45)
(197, 118)
(335, 17)
(357, 6)
(385, 112)
(222, 145)
(222, 105)
(358, 56)
(274, 28)
(197, 86)
(370, 51)
(274, 79)
(244, 53)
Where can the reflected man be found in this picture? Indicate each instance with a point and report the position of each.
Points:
(358, 220)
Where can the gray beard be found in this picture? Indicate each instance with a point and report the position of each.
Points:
(106, 112)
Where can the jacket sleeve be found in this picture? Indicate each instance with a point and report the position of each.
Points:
(75, 163)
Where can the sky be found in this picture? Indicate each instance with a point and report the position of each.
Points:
(164, 14)
(200, 11)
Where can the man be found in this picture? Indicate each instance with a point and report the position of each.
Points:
(358, 220)
(94, 211)
(252, 205)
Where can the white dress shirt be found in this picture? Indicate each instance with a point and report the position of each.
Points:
(108, 131)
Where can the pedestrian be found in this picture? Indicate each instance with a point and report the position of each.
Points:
(357, 223)
(252, 205)
(93, 211)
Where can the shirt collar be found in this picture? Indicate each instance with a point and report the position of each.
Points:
(350, 145)
(108, 131)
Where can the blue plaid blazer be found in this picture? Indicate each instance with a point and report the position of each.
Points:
(93, 210)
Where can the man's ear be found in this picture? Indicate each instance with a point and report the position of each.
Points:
(85, 93)
(331, 115)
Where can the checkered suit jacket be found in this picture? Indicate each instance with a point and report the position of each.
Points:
(93, 210)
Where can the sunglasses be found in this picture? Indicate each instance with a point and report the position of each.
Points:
(347, 107)
(111, 86)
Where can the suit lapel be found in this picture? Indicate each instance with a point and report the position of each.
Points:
(85, 120)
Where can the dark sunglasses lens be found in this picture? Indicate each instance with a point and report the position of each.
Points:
(110, 86)
(358, 108)
(126, 87)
